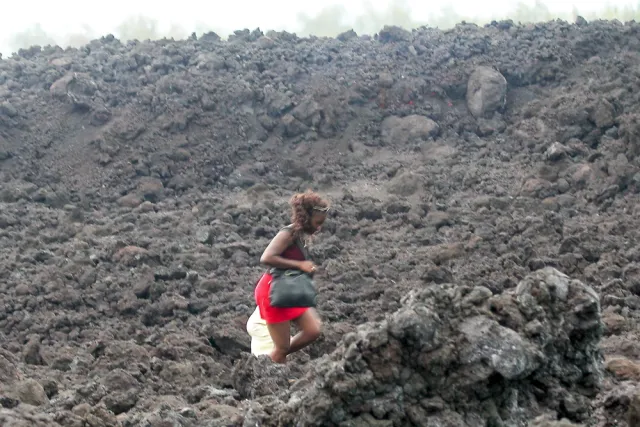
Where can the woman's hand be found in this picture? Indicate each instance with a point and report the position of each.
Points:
(307, 267)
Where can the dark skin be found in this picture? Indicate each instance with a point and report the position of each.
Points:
(309, 323)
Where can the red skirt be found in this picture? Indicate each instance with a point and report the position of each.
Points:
(273, 314)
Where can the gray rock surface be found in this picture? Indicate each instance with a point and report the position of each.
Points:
(439, 359)
(140, 182)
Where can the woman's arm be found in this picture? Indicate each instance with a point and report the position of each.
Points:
(271, 255)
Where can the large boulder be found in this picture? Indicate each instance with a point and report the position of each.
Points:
(486, 92)
(455, 356)
(409, 129)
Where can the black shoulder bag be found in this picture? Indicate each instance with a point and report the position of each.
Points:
(292, 287)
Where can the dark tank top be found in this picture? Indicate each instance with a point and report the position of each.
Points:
(296, 250)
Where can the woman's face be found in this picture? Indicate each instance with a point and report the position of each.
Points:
(316, 221)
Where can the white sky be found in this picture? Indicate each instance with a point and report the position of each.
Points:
(62, 17)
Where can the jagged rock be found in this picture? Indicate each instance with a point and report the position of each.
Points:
(28, 391)
(25, 417)
(405, 184)
(556, 151)
(437, 347)
(257, 376)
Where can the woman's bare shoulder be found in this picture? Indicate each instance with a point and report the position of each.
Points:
(285, 233)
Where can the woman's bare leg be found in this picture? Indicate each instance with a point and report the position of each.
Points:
(309, 324)
(281, 336)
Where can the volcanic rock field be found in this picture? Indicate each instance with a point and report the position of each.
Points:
(480, 266)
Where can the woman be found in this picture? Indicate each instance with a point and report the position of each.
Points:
(285, 251)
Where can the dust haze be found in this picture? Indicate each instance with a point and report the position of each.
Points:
(45, 27)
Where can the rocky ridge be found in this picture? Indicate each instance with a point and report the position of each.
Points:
(475, 173)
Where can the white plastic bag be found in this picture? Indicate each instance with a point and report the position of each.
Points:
(261, 342)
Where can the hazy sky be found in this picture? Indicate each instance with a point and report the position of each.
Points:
(62, 17)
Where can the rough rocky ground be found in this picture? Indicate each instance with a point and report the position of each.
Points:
(470, 171)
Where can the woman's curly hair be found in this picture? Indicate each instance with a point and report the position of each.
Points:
(302, 207)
